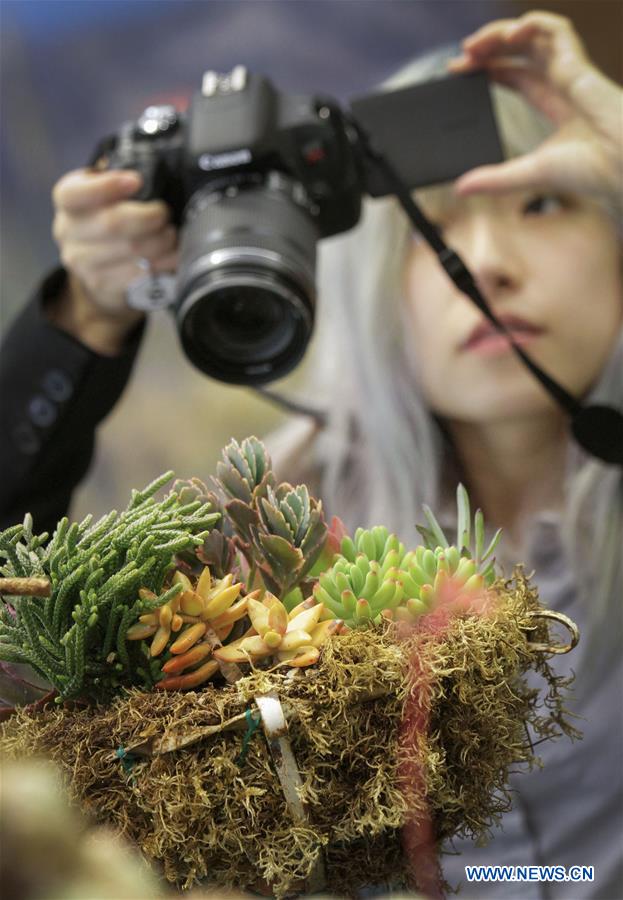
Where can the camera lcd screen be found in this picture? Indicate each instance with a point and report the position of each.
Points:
(431, 132)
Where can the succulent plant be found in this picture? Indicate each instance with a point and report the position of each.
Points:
(288, 537)
(185, 625)
(294, 638)
(374, 577)
(219, 553)
(147, 597)
(470, 541)
(365, 578)
(189, 490)
(280, 529)
(76, 638)
(245, 470)
(218, 550)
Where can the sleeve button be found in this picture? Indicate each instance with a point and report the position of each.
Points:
(26, 439)
(41, 411)
(57, 385)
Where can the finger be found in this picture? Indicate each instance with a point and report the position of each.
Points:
(559, 28)
(168, 262)
(488, 32)
(463, 63)
(491, 35)
(84, 189)
(508, 33)
(535, 87)
(566, 164)
(83, 256)
(525, 172)
(127, 219)
(157, 245)
(547, 39)
(552, 40)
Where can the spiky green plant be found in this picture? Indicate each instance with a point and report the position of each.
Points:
(218, 550)
(470, 541)
(76, 637)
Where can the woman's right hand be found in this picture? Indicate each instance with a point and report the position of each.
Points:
(103, 235)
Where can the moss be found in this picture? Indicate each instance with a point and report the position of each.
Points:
(389, 728)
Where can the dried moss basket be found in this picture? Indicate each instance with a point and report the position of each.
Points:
(397, 738)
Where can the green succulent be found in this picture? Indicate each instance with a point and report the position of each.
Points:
(365, 577)
(470, 541)
(76, 637)
(245, 471)
(376, 544)
(373, 576)
(280, 529)
(289, 535)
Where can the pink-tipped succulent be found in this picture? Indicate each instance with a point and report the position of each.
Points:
(374, 578)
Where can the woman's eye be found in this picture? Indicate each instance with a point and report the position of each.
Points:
(543, 204)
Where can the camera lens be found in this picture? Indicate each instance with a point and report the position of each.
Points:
(246, 302)
(246, 317)
(245, 327)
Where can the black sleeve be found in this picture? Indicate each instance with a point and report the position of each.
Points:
(53, 393)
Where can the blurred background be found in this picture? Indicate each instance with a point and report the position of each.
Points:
(73, 70)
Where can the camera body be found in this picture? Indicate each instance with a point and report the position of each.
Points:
(238, 127)
(254, 178)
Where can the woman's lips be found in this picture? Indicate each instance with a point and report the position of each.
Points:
(486, 340)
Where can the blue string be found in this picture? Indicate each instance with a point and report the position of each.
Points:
(127, 761)
(252, 726)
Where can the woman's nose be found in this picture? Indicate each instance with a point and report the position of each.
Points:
(488, 249)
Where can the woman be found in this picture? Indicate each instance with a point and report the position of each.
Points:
(428, 395)
(435, 396)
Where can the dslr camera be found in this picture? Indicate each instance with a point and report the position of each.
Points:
(255, 178)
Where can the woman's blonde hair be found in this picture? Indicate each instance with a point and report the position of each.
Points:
(383, 453)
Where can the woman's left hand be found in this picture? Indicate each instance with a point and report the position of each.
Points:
(541, 55)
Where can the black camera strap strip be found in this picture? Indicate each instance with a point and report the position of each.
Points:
(289, 405)
(598, 429)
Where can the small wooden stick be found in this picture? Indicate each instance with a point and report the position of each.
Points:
(25, 587)
(275, 725)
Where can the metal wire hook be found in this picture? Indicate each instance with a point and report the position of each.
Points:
(568, 623)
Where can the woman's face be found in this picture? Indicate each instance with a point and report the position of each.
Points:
(549, 267)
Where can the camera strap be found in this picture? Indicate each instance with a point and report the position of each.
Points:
(598, 429)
